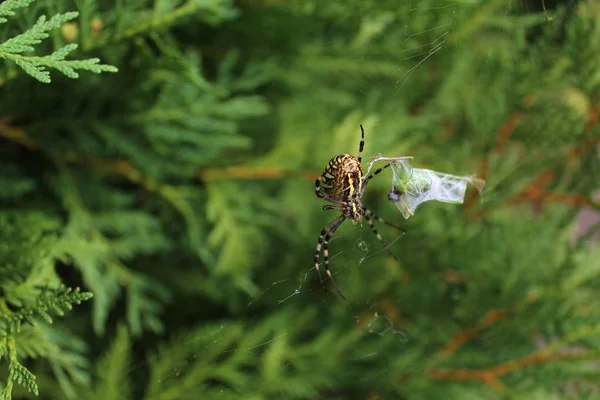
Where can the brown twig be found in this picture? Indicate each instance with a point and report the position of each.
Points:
(462, 337)
(127, 170)
(542, 196)
(119, 167)
(539, 194)
(502, 137)
(491, 375)
(242, 172)
(18, 136)
(586, 145)
(593, 116)
(536, 190)
(506, 131)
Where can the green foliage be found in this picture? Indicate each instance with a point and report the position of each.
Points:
(30, 290)
(56, 300)
(179, 192)
(112, 380)
(98, 244)
(7, 7)
(13, 48)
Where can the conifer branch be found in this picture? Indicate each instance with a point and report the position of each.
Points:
(13, 48)
(48, 300)
(475, 22)
(122, 168)
(7, 7)
(156, 23)
(20, 374)
(16, 371)
(112, 370)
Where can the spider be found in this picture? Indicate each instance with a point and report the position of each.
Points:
(343, 183)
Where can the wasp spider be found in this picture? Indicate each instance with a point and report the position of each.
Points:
(343, 183)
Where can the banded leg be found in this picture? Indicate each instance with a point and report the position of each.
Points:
(377, 172)
(383, 242)
(318, 187)
(362, 143)
(324, 237)
(383, 221)
(369, 216)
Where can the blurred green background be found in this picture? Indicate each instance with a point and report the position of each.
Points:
(172, 182)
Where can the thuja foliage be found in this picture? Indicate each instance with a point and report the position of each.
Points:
(31, 293)
(177, 193)
(13, 48)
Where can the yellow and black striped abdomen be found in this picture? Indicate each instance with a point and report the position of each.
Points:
(342, 178)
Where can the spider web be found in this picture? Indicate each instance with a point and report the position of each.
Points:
(355, 255)
(353, 246)
(413, 186)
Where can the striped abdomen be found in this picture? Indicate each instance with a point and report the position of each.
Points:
(342, 178)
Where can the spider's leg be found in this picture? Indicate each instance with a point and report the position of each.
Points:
(324, 237)
(324, 232)
(318, 187)
(369, 217)
(371, 176)
(362, 143)
(383, 221)
(326, 253)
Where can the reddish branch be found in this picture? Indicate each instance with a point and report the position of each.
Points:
(241, 172)
(491, 375)
(502, 137)
(127, 170)
(542, 196)
(593, 117)
(536, 191)
(120, 167)
(506, 130)
(466, 335)
(17, 135)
